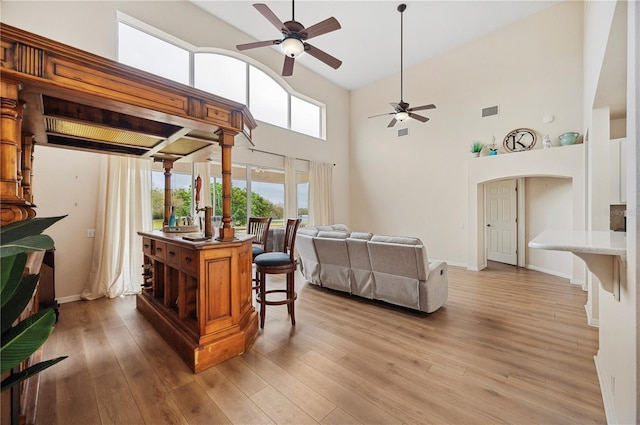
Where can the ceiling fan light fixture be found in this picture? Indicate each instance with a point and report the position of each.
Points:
(292, 47)
(295, 36)
(401, 116)
(402, 111)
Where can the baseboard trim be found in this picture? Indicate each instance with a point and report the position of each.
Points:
(579, 282)
(590, 320)
(70, 299)
(606, 390)
(547, 271)
(450, 263)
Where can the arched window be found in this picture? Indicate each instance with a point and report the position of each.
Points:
(227, 74)
(268, 101)
(222, 75)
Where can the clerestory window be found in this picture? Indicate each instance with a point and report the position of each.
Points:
(219, 72)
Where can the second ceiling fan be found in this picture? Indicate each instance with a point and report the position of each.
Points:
(294, 38)
(402, 111)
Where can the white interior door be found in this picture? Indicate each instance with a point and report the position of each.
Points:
(501, 221)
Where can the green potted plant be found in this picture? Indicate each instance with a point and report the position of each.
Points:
(21, 338)
(476, 148)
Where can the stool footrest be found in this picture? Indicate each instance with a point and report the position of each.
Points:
(277, 302)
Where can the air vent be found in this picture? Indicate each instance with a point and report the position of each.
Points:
(492, 110)
(403, 132)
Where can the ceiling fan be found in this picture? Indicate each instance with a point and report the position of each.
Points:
(294, 37)
(402, 111)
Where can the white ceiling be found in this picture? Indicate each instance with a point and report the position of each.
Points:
(369, 41)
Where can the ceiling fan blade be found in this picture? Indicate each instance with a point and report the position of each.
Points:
(422, 108)
(395, 105)
(271, 17)
(380, 115)
(322, 56)
(393, 122)
(328, 25)
(418, 117)
(287, 69)
(256, 44)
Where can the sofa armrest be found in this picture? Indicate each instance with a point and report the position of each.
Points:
(438, 267)
(435, 290)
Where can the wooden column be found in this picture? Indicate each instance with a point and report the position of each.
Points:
(167, 164)
(9, 141)
(14, 207)
(28, 144)
(226, 139)
(20, 163)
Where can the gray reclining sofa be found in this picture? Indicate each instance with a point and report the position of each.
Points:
(393, 269)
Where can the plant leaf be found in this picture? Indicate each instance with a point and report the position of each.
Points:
(6, 265)
(18, 377)
(29, 243)
(21, 229)
(18, 301)
(12, 270)
(22, 340)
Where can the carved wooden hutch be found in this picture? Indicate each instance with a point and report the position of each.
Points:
(52, 94)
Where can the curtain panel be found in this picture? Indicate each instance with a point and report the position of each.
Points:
(320, 194)
(124, 207)
(290, 188)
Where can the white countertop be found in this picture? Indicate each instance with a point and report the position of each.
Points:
(582, 241)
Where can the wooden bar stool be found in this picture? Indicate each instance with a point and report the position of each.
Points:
(278, 263)
(259, 227)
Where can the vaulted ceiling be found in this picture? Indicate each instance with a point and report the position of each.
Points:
(369, 41)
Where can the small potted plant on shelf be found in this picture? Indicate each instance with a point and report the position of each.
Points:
(476, 148)
(493, 147)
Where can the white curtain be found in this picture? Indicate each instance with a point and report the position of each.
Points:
(320, 194)
(124, 208)
(202, 169)
(290, 188)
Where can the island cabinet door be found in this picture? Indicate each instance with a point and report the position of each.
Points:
(222, 289)
(244, 271)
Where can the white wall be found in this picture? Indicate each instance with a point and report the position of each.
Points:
(633, 194)
(548, 204)
(92, 26)
(598, 16)
(617, 358)
(417, 184)
(65, 183)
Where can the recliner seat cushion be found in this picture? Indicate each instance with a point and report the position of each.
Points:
(361, 276)
(397, 272)
(331, 247)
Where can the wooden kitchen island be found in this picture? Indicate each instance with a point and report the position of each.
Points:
(197, 295)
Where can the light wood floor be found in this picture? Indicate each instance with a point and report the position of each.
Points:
(510, 346)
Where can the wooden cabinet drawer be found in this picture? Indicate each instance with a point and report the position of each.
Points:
(160, 249)
(189, 260)
(173, 255)
(147, 246)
